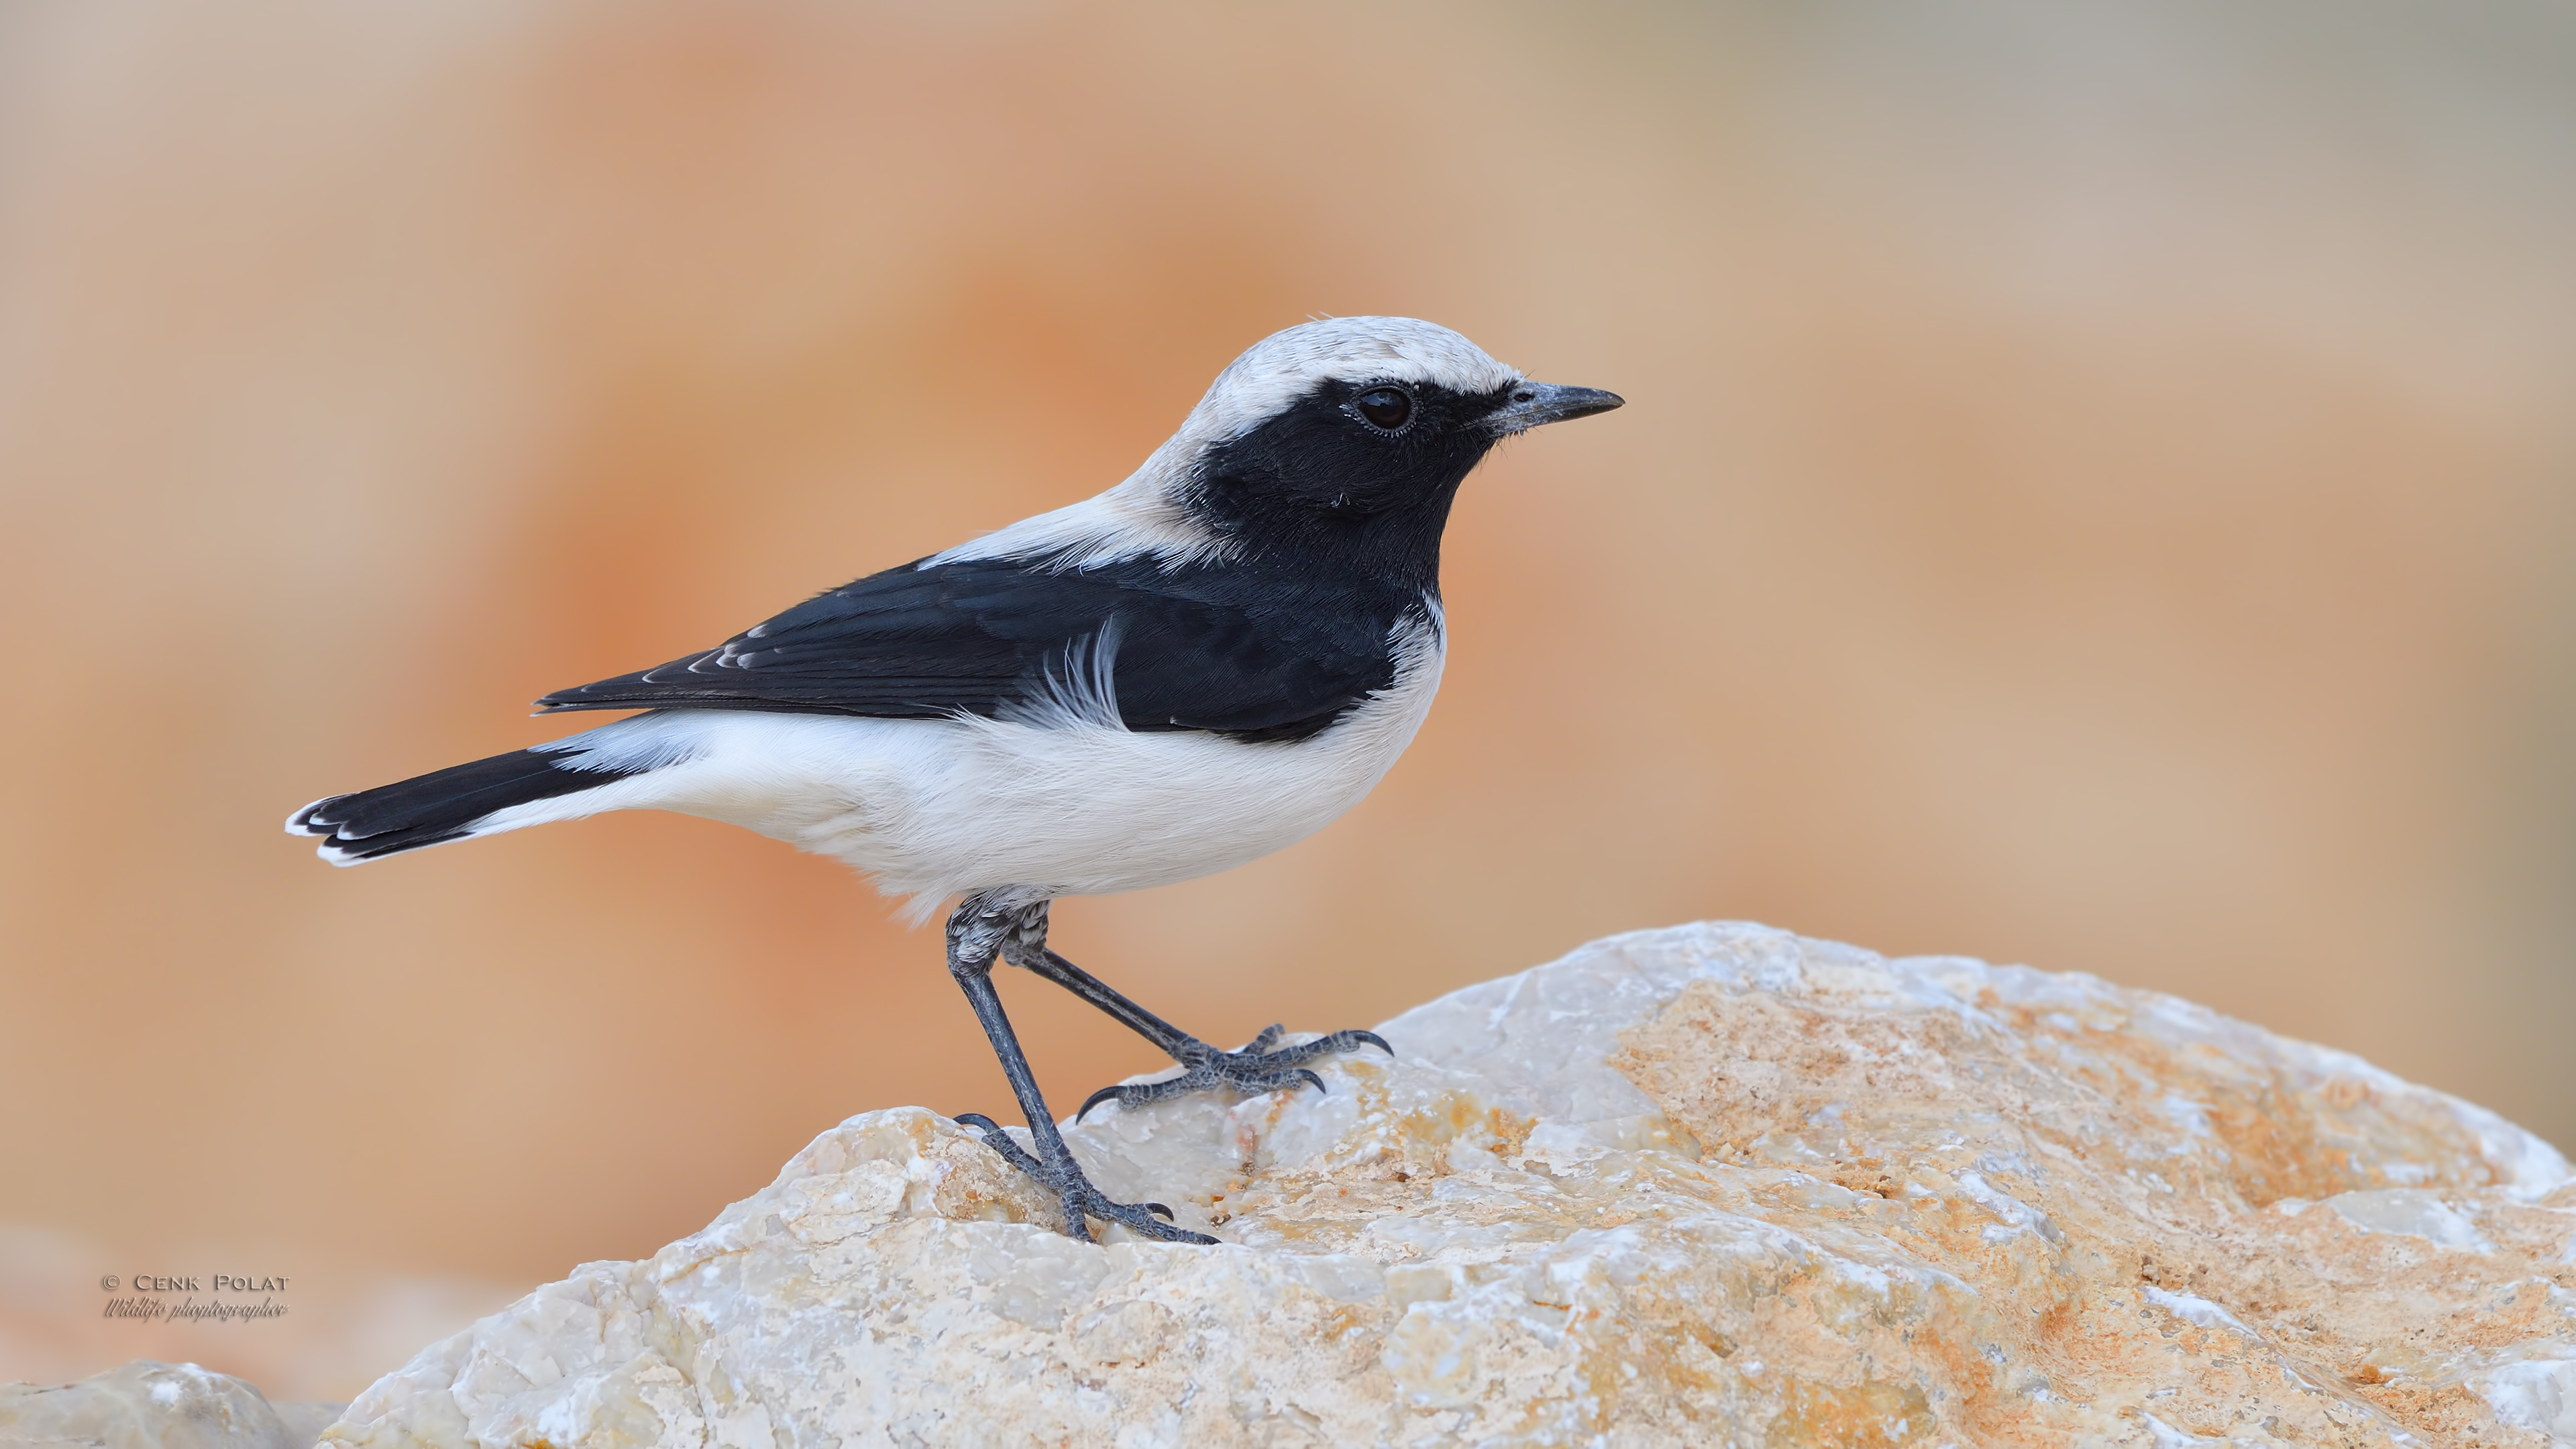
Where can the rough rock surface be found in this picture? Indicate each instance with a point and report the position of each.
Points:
(1711, 1185)
(147, 1405)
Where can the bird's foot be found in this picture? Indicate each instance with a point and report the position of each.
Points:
(1081, 1201)
(1261, 1066)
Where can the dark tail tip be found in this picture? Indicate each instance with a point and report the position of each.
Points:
(444, 805)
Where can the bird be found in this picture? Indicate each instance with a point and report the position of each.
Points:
(1207, 662)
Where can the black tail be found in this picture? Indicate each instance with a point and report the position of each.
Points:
(442, 806)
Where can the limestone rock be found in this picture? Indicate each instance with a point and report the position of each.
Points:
(147, 1405)
(1709, 1185)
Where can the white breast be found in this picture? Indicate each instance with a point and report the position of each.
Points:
(1069, 804)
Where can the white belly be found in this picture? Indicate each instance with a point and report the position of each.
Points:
(934, 808)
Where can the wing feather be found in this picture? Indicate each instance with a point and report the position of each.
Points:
(1228, 649)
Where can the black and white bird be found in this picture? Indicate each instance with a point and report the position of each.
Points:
(1207, 662)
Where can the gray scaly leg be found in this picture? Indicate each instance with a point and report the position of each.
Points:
(1261, 1066)
(977, 932)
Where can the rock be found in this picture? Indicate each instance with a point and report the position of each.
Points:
(147, 1405)
(1709, 1185)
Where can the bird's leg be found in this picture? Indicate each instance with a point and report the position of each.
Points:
(1261, 1066)
(976, 936)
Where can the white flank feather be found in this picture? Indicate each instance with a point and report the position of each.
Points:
(1059, 796)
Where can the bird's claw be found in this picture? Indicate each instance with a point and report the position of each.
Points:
(1261, 1066)
(1074, 1192)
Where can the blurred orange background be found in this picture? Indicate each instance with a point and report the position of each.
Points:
(2095, 492)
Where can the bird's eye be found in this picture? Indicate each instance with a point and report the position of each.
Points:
(1387, 407)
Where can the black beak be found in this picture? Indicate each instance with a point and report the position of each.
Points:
(1533, 404)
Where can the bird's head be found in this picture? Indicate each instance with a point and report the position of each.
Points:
(1352, 426)
(1338, 443)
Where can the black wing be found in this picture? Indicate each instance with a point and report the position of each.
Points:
(1232, 650)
